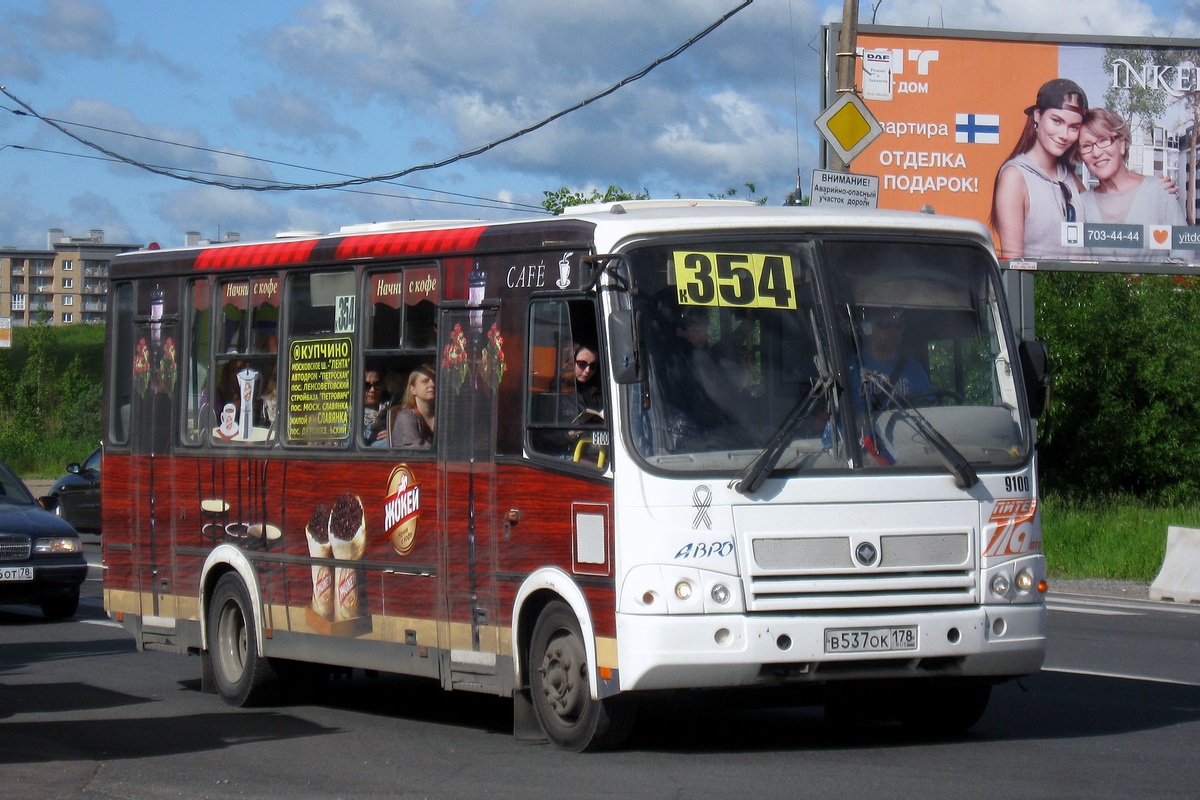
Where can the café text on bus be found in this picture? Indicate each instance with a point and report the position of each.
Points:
(636, 448)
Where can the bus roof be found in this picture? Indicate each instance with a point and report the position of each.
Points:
(602, 227)
(621, 220)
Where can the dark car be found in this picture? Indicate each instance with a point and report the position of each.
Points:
(76, 496)
(41, 556)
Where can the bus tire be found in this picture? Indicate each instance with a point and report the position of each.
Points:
(241, 675)
(559, 687)
(945, 710)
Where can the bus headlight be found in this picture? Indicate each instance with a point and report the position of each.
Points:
(1024, 580)
(1000, 584)
(669, 589)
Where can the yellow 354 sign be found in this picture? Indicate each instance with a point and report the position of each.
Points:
(744, 280)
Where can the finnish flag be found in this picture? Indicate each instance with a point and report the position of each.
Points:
(977, 128)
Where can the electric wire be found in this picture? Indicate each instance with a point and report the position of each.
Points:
(496, 205)
(275, 162)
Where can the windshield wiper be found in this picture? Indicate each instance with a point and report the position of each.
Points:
(752, 477)
(964, 474)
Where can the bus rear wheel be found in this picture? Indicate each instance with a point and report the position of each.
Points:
(242, 677)
(560, 688)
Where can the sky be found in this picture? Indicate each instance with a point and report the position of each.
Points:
(309, 92)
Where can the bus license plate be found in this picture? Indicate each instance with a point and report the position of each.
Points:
(16, 573)
(870, 640)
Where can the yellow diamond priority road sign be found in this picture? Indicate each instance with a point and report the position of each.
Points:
(848, 126)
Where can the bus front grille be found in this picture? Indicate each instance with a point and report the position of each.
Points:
(830, 572)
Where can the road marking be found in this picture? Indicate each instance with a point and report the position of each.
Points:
(1119, 676)
(103, 623)
(1060, 603)
(1099, 612)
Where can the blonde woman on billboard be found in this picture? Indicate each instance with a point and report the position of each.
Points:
(1122, 196)
(1036, 188)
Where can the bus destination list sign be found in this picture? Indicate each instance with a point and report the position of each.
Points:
(319, 390)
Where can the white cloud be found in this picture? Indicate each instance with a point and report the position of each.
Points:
(1094, 17)
(290, 113)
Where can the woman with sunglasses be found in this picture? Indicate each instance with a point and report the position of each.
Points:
(1036, 188)
(588, 395)
(1122, 196)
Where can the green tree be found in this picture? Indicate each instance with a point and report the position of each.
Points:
(1125, 408)
(558, 201)
(50, 415)
(731, 194)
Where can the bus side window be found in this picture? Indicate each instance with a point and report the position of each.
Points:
(197, 366)
(244, 400)
(401, 331)
(121, 380)
(565, 416)
(321, 402)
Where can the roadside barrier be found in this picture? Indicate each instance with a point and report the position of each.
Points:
(1179, 579)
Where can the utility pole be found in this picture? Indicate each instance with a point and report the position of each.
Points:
(847, 57)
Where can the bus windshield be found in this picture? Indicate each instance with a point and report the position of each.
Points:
(831, 353)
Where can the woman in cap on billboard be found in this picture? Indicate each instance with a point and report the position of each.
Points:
(1036, 188)
(1122, 196)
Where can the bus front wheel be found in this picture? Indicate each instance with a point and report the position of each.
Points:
(560, 688)
(242, 677)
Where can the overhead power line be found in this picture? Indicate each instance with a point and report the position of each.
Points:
(490, 201)
(486, 202)
(262, 187)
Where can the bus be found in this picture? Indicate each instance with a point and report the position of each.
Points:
(805, 462)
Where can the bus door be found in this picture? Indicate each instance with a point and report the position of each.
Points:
(151, 428)
(466, 440)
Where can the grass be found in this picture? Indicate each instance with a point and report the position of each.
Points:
(52, 458)
(1116, 536)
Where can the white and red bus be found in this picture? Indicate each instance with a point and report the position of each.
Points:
(806, 461)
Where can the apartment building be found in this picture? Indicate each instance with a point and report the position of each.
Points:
(68, 280)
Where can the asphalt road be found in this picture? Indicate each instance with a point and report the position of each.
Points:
(1116, 713)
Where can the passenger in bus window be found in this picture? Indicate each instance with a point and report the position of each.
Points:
(269, 401)
(700, 361)
(585, 386)
(393, 393)
(373, 398)
(589, 397)
(413, 423)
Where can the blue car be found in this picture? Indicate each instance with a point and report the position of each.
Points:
(41, 556)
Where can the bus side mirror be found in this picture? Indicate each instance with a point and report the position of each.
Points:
(1035, 369)
(623, 349)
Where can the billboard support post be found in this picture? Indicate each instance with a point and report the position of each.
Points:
(846, 56)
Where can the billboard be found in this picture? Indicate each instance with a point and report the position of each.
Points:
(1074, 151)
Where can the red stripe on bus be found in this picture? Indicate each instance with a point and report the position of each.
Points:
(256, 255)
(403, 243)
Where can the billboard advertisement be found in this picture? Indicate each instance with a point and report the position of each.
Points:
(1069, 149)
